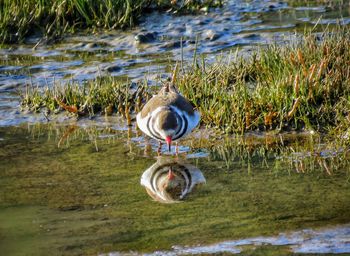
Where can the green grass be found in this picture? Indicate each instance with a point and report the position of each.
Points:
(52, 18)
(103, 95)
(299, 86)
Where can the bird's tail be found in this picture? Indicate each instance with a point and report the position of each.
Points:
(170, 86)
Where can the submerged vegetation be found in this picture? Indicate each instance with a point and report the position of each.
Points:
(22, 18)
(297, 152)
(61, 196)
(303, 85)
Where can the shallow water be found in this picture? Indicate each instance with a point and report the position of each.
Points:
(97, 187)
(239, 25)
(69, 190)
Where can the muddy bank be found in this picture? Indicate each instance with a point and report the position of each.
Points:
(146, 51)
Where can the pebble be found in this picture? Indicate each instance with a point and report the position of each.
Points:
(91, 45)
(113, 68)
(251, 36)
(199, 22)
(171, 45)
(147, 37)
(204, 9)
(211, 35)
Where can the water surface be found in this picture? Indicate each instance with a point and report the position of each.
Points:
(72, 190)
(96, 187)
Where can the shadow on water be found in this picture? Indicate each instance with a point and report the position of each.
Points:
(72, 190)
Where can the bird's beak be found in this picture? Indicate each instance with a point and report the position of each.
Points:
(168, 142)
(171, 175)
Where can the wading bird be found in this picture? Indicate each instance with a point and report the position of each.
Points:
(167, 116)
(169, 180)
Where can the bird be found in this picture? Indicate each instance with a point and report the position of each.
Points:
(169, 180)
(167, 116)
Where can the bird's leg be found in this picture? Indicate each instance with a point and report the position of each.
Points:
(159, 151)
(148, 149)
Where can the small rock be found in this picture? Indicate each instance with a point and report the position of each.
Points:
(171, 45)
(71, 208)
(204, 9)
(251, 36)
(113, 68)
(199, 22)
(211, 35)
(146, 37)
(91, 45)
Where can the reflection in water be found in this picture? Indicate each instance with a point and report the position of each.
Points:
(170, 180)
(73, 200)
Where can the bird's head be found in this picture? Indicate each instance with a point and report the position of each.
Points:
(167, 125)
(173, 185)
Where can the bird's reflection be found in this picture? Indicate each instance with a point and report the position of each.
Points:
(170, 180)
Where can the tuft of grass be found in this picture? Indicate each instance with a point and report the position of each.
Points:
(100, 96)
(52, 18)
(302, 85)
